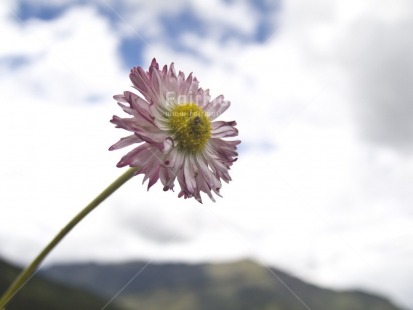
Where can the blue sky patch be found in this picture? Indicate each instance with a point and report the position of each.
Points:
(173, 27)
(131, 51)
(14, 62)
(28, 11)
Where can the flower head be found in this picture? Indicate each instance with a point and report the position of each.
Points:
(173, 123)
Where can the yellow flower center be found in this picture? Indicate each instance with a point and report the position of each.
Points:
(190, 127)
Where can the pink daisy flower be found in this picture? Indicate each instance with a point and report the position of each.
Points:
(173, 123)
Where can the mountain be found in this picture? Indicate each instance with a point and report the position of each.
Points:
(42, 294)
(240, 286)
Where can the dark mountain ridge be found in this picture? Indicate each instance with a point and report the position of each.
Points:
(43, 294)
(239, 285)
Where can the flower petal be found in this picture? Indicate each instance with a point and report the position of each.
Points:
(140, 155)
(189, 174)
(123, 142)
(216, 107)
(223, 129)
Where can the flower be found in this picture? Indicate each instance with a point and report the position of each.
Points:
(173, 121)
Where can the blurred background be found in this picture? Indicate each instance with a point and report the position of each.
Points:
(322, 94)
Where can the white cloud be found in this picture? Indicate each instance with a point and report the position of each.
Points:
(69, 60)
(323, 203)
(219, 14)
(384, 81)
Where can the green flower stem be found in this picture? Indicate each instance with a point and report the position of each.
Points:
(27, 273)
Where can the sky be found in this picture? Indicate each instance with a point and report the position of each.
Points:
(322, 95)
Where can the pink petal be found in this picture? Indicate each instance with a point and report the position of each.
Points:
(139, 156)
(167, 178)
(189, 175)
(223, 129)
(123, 142)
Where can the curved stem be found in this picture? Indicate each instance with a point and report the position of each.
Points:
(29, 271)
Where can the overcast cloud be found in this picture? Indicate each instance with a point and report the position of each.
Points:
(322, 96)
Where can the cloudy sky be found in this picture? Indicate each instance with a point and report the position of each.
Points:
(322, 94)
